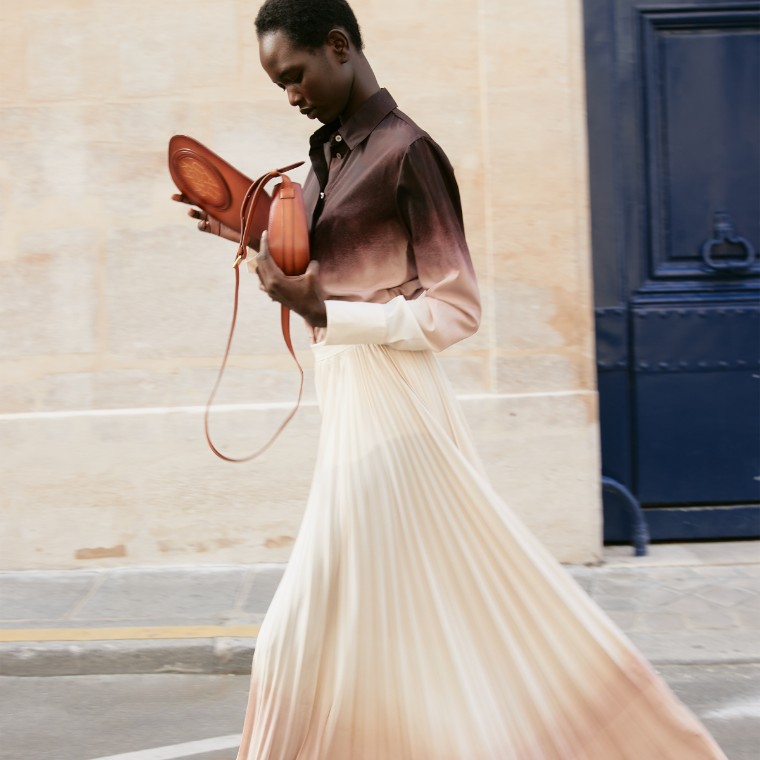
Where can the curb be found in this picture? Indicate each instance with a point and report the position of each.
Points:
(215, 656)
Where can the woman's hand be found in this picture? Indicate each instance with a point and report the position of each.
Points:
(207, 223)
(302, 294)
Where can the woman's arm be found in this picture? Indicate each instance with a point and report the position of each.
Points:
(448, 309)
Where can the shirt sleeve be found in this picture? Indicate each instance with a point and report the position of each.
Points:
(447, 309)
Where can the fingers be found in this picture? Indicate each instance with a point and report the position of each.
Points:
(202, 216)
(303, 294)
(266, 268)
(205, 222)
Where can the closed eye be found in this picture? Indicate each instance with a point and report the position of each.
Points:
(289, 77)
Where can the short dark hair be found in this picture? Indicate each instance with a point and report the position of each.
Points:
(308, 22)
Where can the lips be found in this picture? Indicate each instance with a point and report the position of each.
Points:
(309, 113)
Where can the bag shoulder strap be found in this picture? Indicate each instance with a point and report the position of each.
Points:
(246, 215)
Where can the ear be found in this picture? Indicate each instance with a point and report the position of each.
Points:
(338, 42)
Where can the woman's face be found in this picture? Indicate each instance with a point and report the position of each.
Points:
(317, 82)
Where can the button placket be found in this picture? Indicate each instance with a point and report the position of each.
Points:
(337, 140)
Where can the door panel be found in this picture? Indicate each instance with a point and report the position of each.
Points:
(701, 77)
(702, 461)
(697, 402)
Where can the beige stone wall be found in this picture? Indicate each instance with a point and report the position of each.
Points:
(115, 310)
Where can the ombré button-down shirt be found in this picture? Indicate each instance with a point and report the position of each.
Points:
(387, 231)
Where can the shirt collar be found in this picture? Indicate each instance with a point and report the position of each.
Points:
(360, 124)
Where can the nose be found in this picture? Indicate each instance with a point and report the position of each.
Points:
(294, 95)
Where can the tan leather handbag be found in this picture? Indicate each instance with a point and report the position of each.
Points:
(244, 205)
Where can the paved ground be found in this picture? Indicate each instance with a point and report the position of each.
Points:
(693, 610)
(184, 717)
(682, 604)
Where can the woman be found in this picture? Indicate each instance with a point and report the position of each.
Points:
(417, 618)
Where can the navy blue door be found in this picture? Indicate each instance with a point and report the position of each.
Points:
(674, 138)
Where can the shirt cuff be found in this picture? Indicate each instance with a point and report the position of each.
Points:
(393, 324)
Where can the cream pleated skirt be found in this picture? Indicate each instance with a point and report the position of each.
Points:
(418, 619)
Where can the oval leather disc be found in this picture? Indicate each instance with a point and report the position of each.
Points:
(202, 179)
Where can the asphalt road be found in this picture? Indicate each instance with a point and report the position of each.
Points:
(186, 717)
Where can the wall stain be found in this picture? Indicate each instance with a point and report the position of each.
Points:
(101, 552)
(227, 543)
(169, 547)
(278, 542)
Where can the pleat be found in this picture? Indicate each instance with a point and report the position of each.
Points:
(418, 619)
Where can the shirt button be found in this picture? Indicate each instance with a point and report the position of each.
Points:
(338, 138)
(322, 196)
(339, 155)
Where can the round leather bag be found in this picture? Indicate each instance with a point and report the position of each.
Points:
(288, 231)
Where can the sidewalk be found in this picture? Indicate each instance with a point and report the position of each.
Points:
(683, 604)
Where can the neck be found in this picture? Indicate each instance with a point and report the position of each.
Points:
(363, 87)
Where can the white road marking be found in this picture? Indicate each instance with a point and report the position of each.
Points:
(148, 410)
(253, 407)
(742, 708)
(175, 751)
